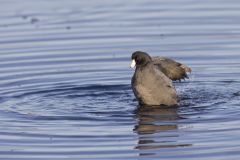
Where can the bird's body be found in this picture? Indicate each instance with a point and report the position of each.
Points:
(151, 82)
(152, 87)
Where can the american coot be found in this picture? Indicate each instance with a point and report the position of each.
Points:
(152, 80)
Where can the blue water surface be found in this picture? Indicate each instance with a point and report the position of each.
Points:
(65, 79)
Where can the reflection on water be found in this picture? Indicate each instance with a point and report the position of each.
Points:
(157, 128)
(149, 117)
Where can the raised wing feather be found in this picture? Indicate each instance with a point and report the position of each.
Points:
(172, 69)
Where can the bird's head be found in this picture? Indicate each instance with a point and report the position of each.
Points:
(139, 59)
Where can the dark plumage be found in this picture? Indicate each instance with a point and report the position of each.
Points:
(172, 69)
(152, 80)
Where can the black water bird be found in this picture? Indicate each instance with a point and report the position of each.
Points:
(152, 80)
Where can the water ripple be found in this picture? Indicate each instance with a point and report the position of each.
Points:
(65, 81)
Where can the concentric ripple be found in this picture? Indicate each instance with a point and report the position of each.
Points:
(65, 88)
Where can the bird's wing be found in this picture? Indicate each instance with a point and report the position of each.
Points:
(172, 69)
